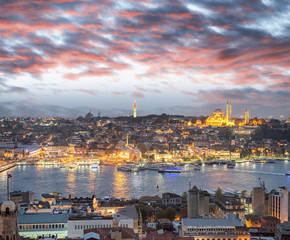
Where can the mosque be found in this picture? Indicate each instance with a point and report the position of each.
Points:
(220, 119)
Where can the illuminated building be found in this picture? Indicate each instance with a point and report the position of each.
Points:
(247, 117)
(135, 110)
(218, 118)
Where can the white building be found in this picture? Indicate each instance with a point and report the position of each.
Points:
(76, 226)
(278, 204)
(229, 228)
(42, 225)
(125, 217)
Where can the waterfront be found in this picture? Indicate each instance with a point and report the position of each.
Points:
(109, 181)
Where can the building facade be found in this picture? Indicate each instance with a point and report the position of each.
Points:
(278, 204)
(197, 203)
(258, 200)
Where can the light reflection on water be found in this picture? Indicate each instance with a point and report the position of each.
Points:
(108, 181)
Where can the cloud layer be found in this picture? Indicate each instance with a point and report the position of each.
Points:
(168, 55)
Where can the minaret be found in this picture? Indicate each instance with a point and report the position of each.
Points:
(227, 120)
(135, 110)
(247, 116)
(230, 111)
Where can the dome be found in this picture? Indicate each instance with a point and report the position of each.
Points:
(8, 204)
(218, 111)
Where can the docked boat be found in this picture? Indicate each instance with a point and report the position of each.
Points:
(270, 160)
(128, 168)
(169, 170)
(230, 165)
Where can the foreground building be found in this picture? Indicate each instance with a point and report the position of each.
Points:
(229, 228)
(197, 203)
(43, 225)
(8, 221)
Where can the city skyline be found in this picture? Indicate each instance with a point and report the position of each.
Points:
(64, 57)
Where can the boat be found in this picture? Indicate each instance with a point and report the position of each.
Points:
(230, 165)
(95, 165)
(72, 165)
(287, 173)
(196, 167)
(270, 160)
(169, 170)
(128, 168)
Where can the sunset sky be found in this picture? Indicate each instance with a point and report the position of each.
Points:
(64, 57)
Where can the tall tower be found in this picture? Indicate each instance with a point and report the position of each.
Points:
(135, 110)
(247, 116)
(197, 203)
(230, 111)
(227, 120)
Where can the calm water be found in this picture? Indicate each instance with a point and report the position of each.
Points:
(110, 182)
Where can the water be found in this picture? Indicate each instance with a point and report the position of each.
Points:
(109, 181)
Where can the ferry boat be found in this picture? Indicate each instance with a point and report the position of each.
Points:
(169, 170)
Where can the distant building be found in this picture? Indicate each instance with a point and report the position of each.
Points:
(197, 203)
(151, 200)
(21, 197)
(126, 217)
(171, 199)
(270, 223)
(253, 221)
(226, 205)
(110, 234)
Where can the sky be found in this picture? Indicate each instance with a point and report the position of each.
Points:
(65, 57)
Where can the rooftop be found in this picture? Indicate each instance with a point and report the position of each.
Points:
(231, 221)
(42, 218)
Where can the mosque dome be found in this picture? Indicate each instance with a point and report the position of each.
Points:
(218, 111)
(8, 205)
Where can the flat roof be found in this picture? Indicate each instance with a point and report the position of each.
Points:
(211, 222)
(42, 218)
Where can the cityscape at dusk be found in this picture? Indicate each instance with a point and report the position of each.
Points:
(60, 58)
(144, 120)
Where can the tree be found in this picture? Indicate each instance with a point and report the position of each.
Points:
(142, 147)
(244, 193)
(161, 214)
(143, 211)
(218, 193)
(170, 213)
